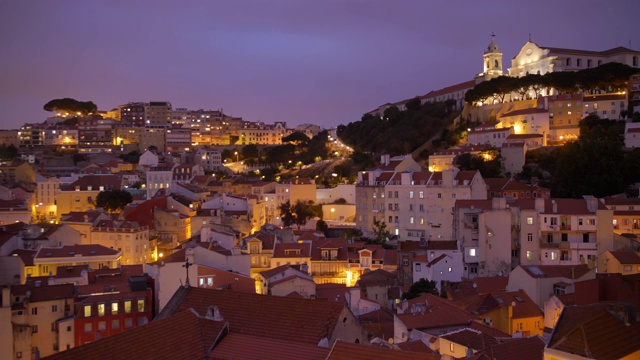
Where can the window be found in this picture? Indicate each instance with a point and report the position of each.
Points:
(114, 308)
(554, 255)
(529, 237)
(418, 267)
(421, 194)
(88, 327)
(585, 237)
(115, 324)
(472, 252)
(564, 237)
(87, 311)
(568, 62)
(390, 206)
(554, 221)
(529, 255)
(580, 221)
(101, 309)
(439, 196)
(34, 310)
(390, 194)
(140, 305)
(410, 194)
(128, 322)
(410, 207)
(627, 268)
(34, 329)
(591, 221)
(54, 308)
(102, 325)
(529, 220)
(127, 306)
(411, 220)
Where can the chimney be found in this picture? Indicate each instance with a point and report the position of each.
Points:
(554, 206)
(213, 313)
(539, 204)
(592, 203)
(385, 159)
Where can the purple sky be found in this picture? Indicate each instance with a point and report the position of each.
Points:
(301, 61)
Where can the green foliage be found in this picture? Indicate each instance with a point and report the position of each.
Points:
(8, 152)
(71, 106)
(132, 157)
(296, 138)
(397, 132)
(488, 168)
(421, 286)
(113, 201)
(607, 77)
(353, 234)
(298, 214)
(380, 231)
(595, 164)
(321, 225)
(250, 152)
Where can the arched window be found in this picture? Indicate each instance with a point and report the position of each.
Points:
(568, 62)
(496, 64)
(635, 61)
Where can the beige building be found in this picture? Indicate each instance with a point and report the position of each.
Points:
(39, 312)
(125, 236)
(48, 259)
(621, 262)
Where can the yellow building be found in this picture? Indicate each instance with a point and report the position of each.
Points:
(81, 194)
(48, 259)
(37, 311)
(621, 262)
(510, 312)
(125, 236)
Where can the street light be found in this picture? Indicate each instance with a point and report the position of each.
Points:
(236, 153)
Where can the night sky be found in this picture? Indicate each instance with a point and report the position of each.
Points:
(300, 61)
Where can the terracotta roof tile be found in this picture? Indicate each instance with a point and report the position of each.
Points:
(301, 320)
(234, 347)
(84, 250)
(531, 348)
(553, 271)
(27, 256)
(346, 351)
(155, 340)
(626, 257)
(472, 339)
(592, 331)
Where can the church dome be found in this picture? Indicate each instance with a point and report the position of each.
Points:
(493, 47)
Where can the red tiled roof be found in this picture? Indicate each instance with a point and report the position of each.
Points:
(621, 200)
(347, 351)
(234, 346)
(449, 89)
(108, 182)
(27, 256)
(442, 245)
(472, 339)
(591, 331)
(553, 271)
(75, 251)
(491, 284)
(44, 292)
(626, 257)
(155, 340)
(301, 320)
(304, 248)
(523, 306)
(438, 313)
(143, 213)
(531, 348)
(71, 271)
(331, 292)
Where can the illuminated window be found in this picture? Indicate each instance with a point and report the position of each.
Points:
(114, 308)
(101, 308)
(529, 220)
(140, 305)
(87, 311)
(127, 306)
(472, 252)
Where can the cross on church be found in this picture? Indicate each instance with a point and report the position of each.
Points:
(187, 265)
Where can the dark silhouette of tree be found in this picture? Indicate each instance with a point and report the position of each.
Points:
(113, 201)
(297, 214)
(71, 106)
(421, 286)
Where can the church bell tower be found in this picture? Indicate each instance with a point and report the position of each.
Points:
(492, 60)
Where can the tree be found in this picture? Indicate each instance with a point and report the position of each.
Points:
(321, 225)
(298, 214)
(132, 157)
(296, 137)
(380, 231)
(8, 152)
(113, 200)
(250, 152)
(71, 106)
(421, 286)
